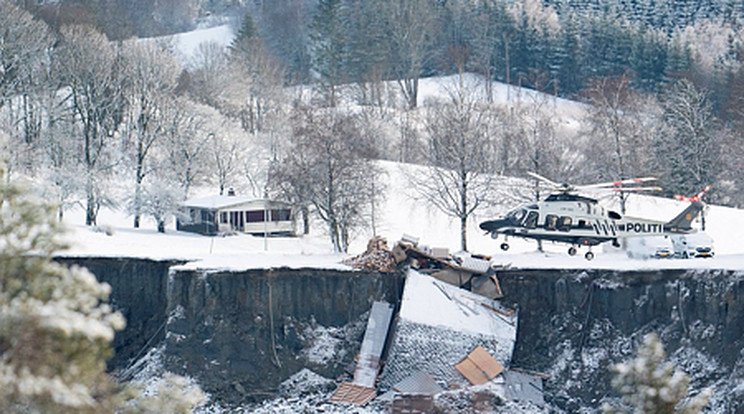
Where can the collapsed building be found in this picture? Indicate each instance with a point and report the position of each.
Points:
(451, 334)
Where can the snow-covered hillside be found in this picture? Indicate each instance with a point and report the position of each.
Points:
(401, 213)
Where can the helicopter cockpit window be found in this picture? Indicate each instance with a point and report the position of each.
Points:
(564, 223)
(531, 221)
(516, 216)
(551, 222)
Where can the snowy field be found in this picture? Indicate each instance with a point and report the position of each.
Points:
(400, 214)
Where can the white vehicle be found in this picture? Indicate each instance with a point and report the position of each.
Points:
(692, 245)
(659, 247)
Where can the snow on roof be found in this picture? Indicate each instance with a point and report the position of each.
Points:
(224, 201)
(429, 301)
(439, 325)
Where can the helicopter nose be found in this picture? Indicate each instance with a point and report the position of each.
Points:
(492, 225)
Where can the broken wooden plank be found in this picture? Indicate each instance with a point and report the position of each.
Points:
(508, 312)
(351, 393)
(479, 366)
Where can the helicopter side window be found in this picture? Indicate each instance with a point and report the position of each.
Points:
(564, 223)
(551, 222)
(531, 221)
(516, 216)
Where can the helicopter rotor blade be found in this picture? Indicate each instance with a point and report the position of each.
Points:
(543, 179)
(617, 183)
(634, 189)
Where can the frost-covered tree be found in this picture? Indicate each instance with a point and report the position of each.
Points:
(55, 325)
(650, 384)
(689, 154)
(160, 199)
(151, 76)
(24, 42)
(89, 66)
(460, 157)
(187, 144)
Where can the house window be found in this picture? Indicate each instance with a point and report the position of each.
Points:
(254, 216)
(280, 215)
(223, 217)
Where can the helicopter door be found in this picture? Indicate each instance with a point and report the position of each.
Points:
(531, 221)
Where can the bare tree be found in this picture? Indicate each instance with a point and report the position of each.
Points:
(459, 155)
(151, 74)
(187, 144)
(90, 68)
(255, 95)
(209, 75)
(689, 155)
(622, 125)
(328, 165)
(410, 26)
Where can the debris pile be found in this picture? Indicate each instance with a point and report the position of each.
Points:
(377, 257)
(465, 270)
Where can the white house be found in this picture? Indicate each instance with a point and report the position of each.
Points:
(228, 213)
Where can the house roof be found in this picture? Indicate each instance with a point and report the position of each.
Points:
(224, 201)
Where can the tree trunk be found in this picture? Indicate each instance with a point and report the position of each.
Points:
(161, 226)
(305, 220)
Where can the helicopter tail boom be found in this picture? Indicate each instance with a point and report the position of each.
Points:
(682, 223)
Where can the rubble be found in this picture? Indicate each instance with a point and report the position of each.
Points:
(377, 257)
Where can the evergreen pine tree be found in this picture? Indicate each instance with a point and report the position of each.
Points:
(56, 327)
(330, 54)
(650, 384)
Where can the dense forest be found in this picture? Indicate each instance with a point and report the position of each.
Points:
(83, 101)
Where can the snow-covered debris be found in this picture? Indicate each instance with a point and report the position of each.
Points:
(439, 325)
(324, 343)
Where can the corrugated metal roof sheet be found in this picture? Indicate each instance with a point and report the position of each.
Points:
(418, 383)
(373, 344)
(524, 387)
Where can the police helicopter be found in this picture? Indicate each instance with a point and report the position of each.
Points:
(567, 217)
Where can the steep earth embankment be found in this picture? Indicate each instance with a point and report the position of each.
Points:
(139, 292)
(573, 324)
(220, 325)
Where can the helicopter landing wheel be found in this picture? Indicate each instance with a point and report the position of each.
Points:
(589, 256)
(494, 235)
(504, 246)
(572, 251)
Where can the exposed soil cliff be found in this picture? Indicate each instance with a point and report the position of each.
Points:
(573, 324)
(221, 323)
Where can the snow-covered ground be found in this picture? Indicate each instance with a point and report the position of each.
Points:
(401, 213)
